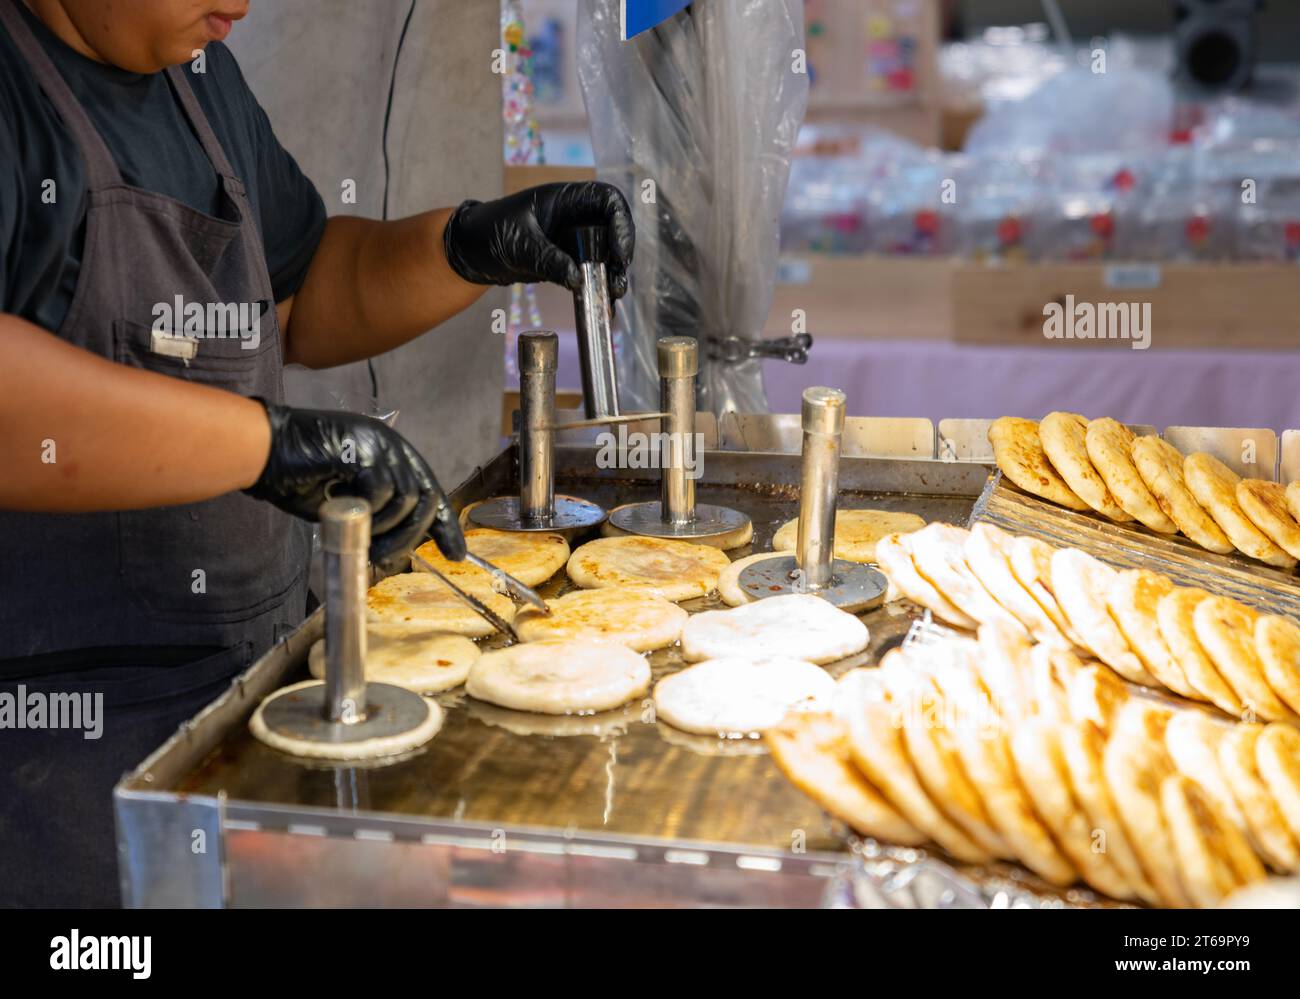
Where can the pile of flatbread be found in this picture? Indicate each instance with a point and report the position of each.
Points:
(1000, 748)
(1102, 466)
(1138, 623)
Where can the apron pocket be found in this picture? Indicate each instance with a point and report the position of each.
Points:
(224, 559)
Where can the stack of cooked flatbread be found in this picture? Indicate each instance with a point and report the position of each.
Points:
(1140, 624)
(1102, 466)
(1004, 749)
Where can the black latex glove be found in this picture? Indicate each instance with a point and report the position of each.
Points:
(310, 452)
(513, 239)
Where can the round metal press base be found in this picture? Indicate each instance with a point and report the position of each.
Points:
(502, 512)
(854, 587)
(647, 519)
(297, 714)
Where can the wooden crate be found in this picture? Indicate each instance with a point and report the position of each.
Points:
(1192, 305)
(874, 298)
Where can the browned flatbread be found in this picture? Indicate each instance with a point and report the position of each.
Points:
(1277, 640)
(1174, 615)
(877, 748)
(1293, 499)
(1110, 446)
(1132, 600)
(1135, 767)
(1035, 746)
(986, 756)
(856, 532)
(896, 563)
(1161, 466)
(1214, 859)
(1083, 747)
(532, 558)
(1192, 739)
(676, 570)
(920, 714)
(1031, 564)
(1063, 438)
(812, 750)
(1214, 485)
(1081, 584)
(1096, 695)
(1018, 450)
(1003, 663)
(1226, 631)
(988, 553)
(1265, 504)
(1268, 826)
(1277, 756)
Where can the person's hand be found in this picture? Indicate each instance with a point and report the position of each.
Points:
(514, 239)
(316, 454)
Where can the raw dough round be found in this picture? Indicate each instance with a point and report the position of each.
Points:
(740, 695)
(793, 626)
(559, 677)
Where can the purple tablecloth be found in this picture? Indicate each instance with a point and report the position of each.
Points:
(937, 379)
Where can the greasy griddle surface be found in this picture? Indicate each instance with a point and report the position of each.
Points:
(640, 778)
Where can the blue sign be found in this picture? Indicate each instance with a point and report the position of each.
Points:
(640, 15)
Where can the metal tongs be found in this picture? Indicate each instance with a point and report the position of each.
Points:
(502, 582)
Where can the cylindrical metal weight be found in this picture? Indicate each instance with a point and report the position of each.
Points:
(345, 541)
(823, 427)
(539, 352)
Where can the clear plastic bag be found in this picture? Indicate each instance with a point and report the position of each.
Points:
(696, 122)
(914, 213)
(837, 180)
(1187, 215)
(1088, 206)
(999, 207)
(1080, 113)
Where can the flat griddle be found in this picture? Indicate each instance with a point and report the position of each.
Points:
(497, 809)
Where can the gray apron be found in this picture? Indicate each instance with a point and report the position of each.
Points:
(196, 592)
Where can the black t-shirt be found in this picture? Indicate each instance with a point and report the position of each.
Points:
(147, 133)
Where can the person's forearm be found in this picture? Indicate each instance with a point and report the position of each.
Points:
(373, 286)
(80, 433)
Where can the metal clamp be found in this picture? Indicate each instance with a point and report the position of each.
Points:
(734, 349)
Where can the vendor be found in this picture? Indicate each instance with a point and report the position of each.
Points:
(162, 257)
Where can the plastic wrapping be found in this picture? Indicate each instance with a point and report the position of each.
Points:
(696, 121)
(1078, 113)
(836, 180)
(1000, 207)
(1090, 206)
